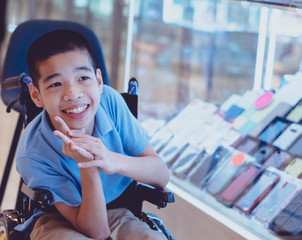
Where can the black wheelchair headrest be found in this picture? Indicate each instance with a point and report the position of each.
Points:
(25, 34)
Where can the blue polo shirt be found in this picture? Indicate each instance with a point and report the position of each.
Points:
(42, 164)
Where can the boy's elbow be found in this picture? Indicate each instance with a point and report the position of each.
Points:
(102, 235)
(165, 178)
(105, 237)
(94, 232)
(107, 234)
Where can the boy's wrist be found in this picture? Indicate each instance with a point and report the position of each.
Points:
(90, 172)
(118, 162)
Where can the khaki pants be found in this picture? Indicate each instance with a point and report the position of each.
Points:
(123, 226)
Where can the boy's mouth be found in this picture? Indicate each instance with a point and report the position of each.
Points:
(76, 110)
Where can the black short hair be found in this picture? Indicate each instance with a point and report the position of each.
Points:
(52, 43)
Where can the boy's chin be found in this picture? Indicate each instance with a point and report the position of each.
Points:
(80, 127)
(81, 130)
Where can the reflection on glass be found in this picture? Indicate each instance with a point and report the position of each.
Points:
(208, 49)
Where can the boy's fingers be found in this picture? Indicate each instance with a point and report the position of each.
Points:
(82, 152)
(63, 137)
(95, 163)
(78, 134)
(64, 128)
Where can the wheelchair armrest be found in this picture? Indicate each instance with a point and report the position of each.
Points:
(41, 197)
(157, 196)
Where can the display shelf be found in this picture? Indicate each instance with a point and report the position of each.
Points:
(234, 220)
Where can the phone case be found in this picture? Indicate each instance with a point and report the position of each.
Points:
(288, 222)
(296, 148)
(233, 112)
(279, 111)
(294, 167)
(187, 155)
(274, 129)
(279, 159)
(199, 175)
(223, 176)
(294, 224)
(295, 115)
(247, 145)
(258, 191)
(288, 136)
(172, 150)
(263, 153)
(270, 205)
(182, 171)
(233, 191)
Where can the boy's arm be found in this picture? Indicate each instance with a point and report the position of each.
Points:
(91, 217)
(147, 168)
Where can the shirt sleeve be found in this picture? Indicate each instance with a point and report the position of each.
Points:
(37, 174)
(133, 136)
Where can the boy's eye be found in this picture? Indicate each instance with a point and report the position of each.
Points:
(57, 84)
(83, 78)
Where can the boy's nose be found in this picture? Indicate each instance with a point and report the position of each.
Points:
(72, 94)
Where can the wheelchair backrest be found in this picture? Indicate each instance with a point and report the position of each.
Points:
(23, 36)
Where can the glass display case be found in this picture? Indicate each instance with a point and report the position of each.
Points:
(181, 50)
(201, 65)
(218, 93)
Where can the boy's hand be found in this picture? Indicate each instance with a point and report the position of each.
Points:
(86, 150)
(69, 147)
(103, 158)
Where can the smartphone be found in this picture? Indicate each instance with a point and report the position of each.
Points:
(288, 221)
(294, 167)
(296, 148)
(268, 207)
(273, 130)
(263, 153)
(199, 175)
(247, 145)
(288, 136)
(257, 192)
(232, 192)
(295, 115)
(279, 159)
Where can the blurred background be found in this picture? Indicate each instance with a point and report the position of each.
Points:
(181, 49)
(178, 50)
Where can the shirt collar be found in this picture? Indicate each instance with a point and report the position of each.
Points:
(102, 123)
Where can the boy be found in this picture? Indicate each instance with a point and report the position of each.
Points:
(85, 146)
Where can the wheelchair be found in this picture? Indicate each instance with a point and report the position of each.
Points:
(14, 92)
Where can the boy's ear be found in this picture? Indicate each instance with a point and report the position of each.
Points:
(99, 79)
(35, 95)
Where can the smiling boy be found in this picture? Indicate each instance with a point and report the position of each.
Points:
(85, 146)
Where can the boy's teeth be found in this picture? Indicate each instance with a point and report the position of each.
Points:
(76, 110)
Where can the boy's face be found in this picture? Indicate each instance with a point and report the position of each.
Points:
(69, 88)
